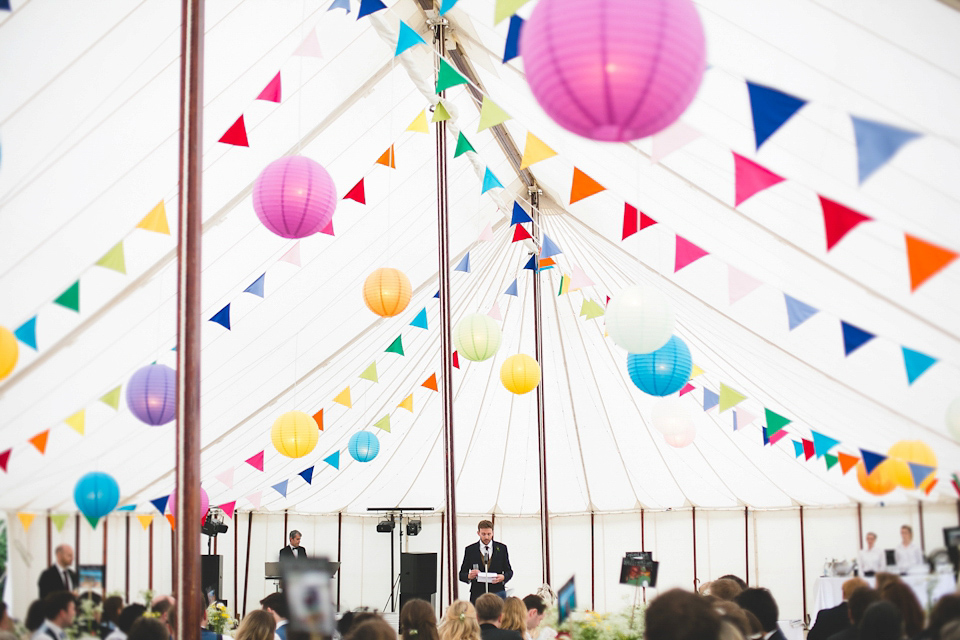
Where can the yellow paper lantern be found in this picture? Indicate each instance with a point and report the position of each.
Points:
(8, 352)
(520, 373)
(906, 451)
(294, 434)
(880, 481)
(386, 292)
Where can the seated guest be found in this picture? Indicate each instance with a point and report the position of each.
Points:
(148, 628)
(276, 604)
(59, 608)
(35, 616)
(731, 613)
(375, 628)
(6, 624)
(352, 618)
(881, 621)
(871, 560)
(514, 616)
(950, 631)
(460, 622)
(418, 621)
(729, 631)
(883, 578)
(681, 615)
(945, 611)
(737, 579)
(835, 619)
(857, 604)
(535, 607)
(110, 616)
(162, 606)
(127, 617)
(256, 625)
(489, 616)
(723, 588)
(909, 556)
(760, 601)
(905, 600)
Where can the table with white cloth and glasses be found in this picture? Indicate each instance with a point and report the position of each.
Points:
(927, 587)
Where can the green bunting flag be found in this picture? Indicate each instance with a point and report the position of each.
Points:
(70, 298)
(830, 460)
(113, 259)
(396, 346)
(440, 113)
(775, 422)
(448, 77)
(463, 145)
(112, 398)
(59, 519)
(370, 373)
(383, 423)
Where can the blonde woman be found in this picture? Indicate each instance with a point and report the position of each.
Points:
(514, 616)
(460, 622)
(256, 625)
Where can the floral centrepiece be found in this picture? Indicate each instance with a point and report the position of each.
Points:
(625, 624)
(219, 618)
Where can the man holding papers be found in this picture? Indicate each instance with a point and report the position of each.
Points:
(486, 564)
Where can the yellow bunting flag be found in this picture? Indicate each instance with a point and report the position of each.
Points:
(534, 150)
(419, 123)
(59, 519)
(491, 114)
(145, 520)
(112, 398)
(383, 423)
(26, 519)
(407, 403)
(344, 398)
(77, 421)
(729, 397)
(696, 372)
(387, 158)
(440, 113)
(113, 259)
(370, 373)
(564, 285)
(156, 220)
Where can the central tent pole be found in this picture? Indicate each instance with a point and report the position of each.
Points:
(187, 574)
(446, 341)
(534, 193)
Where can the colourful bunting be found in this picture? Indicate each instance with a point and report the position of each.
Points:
(512, 47)
(629, 220)
(228, 508)
(26, 519)
(387, 158)
(255, 498)
(797, 448)
(829, 460)
(549, 248)
(70, 298)
(60, 519)
(446, 5)
(156, 220)
(333, 459)
(222, 317)
(396, 346)
(129, 507)
(491, 114)
(281, 488)
(506, 8)
(421, 320)
(256, 287)
(5, 5)
(318, 418)
(236, 135)
(456, 360)
(292, 255)
(710, 399)
(40, 441)
(925, 260)
(847, 461)
(770, 109)
(495, 312)
(916, 363)
(808, 449)
(340, 4)
(751, 179)
(490, 181)
(742, 418)
(328, 229)
(729, 397)
(440, 112)
(310, 46)
(687, 388)
(113, 259)
(519, 216)
(448, 77)
(256, 461)
(160, 504)
(357, 193)
(798, 312)
(463, 145)
(419, 124)
(464, 264)
(370, 373)
(307, 475)
(370, 6)
(593, 309)
(5, 459)
(871, 459)
(431, 382)
(406, 38)
(486, 235)
(822, 444)
(920, 472)
(27, 333)
(271, 92)
(854, 337)
(407, 403)
(686, 253)
(775, 421)
(519, 233)
(226, 477)
(534, 150)
(343, 398)
(512, 289)
(673, 138)
(696, 371)
(583, 186)
(383, 423)
(77, 421)
(930, 486)
(579, 279)
(877, 143)
(531, 264)
(564, 285)
(839, 220)
(740, 284)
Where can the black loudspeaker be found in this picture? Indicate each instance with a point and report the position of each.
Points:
(418, 574)
(211, 576)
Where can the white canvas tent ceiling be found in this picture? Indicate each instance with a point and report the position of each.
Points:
(88, 124)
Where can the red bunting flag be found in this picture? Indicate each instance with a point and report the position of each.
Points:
(40, 441)
(751, 178)
(271, 92)
(686, 253)
(431, 382)
(583, 186)
(357, 193)
(256, 461)
(5, 459)
(456, 360)
(519, 233)
(646, 221)
(925, 260)
(808, 449)
(172, 520)
(629, 220)
(839, 220)
(236, 134)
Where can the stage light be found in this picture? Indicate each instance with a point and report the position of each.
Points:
(413, 527)
(213, 525)
(386, 525)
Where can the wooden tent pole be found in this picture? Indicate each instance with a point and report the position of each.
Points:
(534, 193)
(746, 544)
(803, 570)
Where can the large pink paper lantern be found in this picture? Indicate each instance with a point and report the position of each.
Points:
(614, 70)
(294, 197)
(204, 504)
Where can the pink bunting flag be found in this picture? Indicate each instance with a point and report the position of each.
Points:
(751, 178)
(226, 477)
(779, 435)
(486, 235)
(687, 252)
(328, 229)
(236, 134)
(495, 312)
(256, 461)
(310, 47)
(228, 507)
(743, 418)
(271, 92)
(292, 255)
(579, 279)
(740, 283)
(674, 137)
(687, 388)
(254, 499)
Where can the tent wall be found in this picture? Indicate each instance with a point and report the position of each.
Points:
(725, 540)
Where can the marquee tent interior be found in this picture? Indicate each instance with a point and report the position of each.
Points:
(89, 134)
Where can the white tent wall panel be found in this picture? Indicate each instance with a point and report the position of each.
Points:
(721, 547)
(775, 546)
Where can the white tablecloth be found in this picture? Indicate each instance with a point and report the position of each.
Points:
(928, 588)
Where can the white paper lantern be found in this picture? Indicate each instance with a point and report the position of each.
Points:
(639, 319)
(671, 418)
(953, 419)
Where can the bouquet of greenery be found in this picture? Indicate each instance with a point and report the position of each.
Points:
(87, 620)
(219, 619)
(625, 624)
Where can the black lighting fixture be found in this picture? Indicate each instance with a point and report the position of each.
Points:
(386, 525)
(413, 527)
(213, 524)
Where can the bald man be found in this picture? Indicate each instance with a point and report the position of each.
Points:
(59, 576)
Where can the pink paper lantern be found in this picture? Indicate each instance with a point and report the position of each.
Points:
(614, 70)
(204, 504)
(294, 197)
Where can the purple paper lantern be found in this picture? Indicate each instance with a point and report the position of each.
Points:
(614, 70)
(152, 394)
(294, 197)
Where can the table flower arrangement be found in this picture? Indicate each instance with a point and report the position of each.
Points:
(219, 618)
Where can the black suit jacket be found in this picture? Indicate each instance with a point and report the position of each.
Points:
(499, 563)
(287, 553)
(51, 581)
(829, 622)
(850, 633)
(778, 635)
(492, 632)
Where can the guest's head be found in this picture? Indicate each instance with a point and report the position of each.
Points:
(905, 600)
(418, 621)
(681, 615)
(851, 585)
(731, 613)
(129, 615)
(858, 602)
(276, 603)
(906, 534)
(946, 610)
(871, 539)
(760, 601)
(64, 553)
(514, 615)
(6, 623)
(489, 609)
(737, 579)
(375, 628)
(60, 608)
(535, 608)
(460, 622)
(112, 607)
(36, 614)
(881, 621)
(256, 625)
(883, 578)
(724, 588)
(730, 631)
(485, 531)
(295, 538)
(950, 631)
(148, 628)
(163, 607)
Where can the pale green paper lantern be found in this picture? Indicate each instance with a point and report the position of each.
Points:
(477, 337)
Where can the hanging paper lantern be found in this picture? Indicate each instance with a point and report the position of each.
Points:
(477, 337)
(904, 452)
(671, 418)
(363, 446)
(204, 504)
(880, 481)
(639, 319)
(614, 70)
(387, 292)
(662, 372)
(96, 494)
(520, 373)
(294, 434)
(953, 419)
(152, 394)
(9, 351)
(294, 197)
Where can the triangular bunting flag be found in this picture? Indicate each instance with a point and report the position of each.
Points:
(579, 279)
(437, 294)
(113, 259)
(594, 310)
(431, 382)
(318, 418)
(491, 115)
(333, 459)
(156, 220)
(421, 320)
(729, 397)
(256, 287)
(798, 312)
(357, 193)
(396, 346)
(95, 520)
(370, 6)
(60, 519)
(236, 134)
(739, 283)
(629, 220)
(930, 486)
(564, 285)
(871, 460)
(583, 186)
(129, 507)
(70, 298)
(751, 178)
(830, 460)
(775, 421)
(343, 398)
(161, 504)
(419, 124)
(256, 461)
(5, 459)
(646, 221)
(77, 421)
(26, 519)
(519, 216)
(920, 473)
(407, 403)
(310, 46)
(255, 498)
(464, 265)
(916, 363)
(696, 371)
(797, 448)
(387, 158)
(512, 289)
(340, 4)
(495, 312)
(490, 181)
(328, 229)
(370, 373)
(687, 388)
(520, 233)
(222, 317)
(271, 92)
(27, 333)
(486, 235)
(549, 247)
(456, 360)
(463, 145)
(710, 399)
(686, 253)
(292, 255)
(448, 77)
(822, 444)
(742, 418)
(839, 220)
(531, 263)
(847, 462)
(773, 439)
(226, 477)
(440, 113)
(770, 109)
(854, 337)
(307, 475)
(446, 5)
(511, 49)
(925, 260)
(506, 8)
(673, 138)
(808, 449)
(383, 423)
(228, 508)
(145, 520)
(40, 441)
(407, 38)
(877, 143)
(281, 488)
(534, 150)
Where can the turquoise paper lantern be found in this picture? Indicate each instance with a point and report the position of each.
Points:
(96, 495)
(363, 446)
(663, 371)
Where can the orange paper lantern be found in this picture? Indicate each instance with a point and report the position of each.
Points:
(386, 292)
(880, 482)
(906, 451)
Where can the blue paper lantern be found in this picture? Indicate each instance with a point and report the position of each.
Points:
(363, 446)
(152, 394)
(663, 371)
(96, 495)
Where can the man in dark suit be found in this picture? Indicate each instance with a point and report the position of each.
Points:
(60, 608)
(276, 605)
(760, 603)
(59, 576)
(835, 619)
(489, 614)
(857, 605)
(486, 556)
(293, 551)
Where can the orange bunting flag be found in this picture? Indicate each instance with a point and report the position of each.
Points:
(387, 158)
(172, 520)
(583, 186)
(40, 441)
(431, 382)
(925, 260)
(145, 520)
(318, 418)
(847, 461)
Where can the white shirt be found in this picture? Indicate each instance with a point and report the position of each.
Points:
(909, 558)
(871, 560)
(116, 634)
(486, 549)
(43, 634)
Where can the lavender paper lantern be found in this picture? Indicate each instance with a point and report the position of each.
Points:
(294, 197)
(152, 394)
(614, 70)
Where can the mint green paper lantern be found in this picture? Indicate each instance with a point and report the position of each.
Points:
(477, 337)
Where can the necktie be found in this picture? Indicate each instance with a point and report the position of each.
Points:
(66, 579)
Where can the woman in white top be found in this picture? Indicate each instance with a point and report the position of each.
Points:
(871, 560)
(909, 556)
